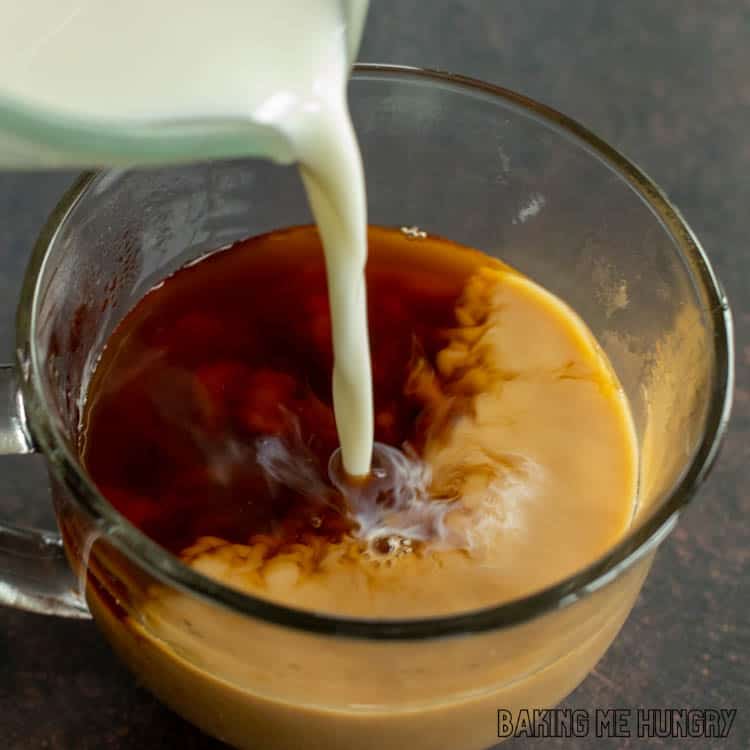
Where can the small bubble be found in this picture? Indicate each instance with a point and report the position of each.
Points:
(316, 522)
(414, 233)
(382, 546)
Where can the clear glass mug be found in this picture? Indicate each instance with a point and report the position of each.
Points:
(459, 158)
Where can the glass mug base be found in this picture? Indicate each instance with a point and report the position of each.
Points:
(246, 718)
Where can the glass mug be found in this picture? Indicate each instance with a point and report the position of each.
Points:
(459, 158)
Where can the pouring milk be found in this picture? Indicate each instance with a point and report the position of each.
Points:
(276, 71)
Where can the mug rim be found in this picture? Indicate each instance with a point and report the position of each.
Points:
(167, 568)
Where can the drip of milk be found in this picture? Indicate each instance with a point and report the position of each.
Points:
(280, 68)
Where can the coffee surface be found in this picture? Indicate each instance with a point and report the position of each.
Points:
(505, 455)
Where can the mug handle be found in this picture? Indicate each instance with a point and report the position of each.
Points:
(34, 572)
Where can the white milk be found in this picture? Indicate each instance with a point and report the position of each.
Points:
(279, 65)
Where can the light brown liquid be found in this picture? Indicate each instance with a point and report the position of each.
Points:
(525, 445)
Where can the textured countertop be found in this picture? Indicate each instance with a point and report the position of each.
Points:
(668, 83)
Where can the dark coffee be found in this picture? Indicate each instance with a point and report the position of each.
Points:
(233, 353)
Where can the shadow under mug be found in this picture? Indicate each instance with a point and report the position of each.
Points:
(462, 159)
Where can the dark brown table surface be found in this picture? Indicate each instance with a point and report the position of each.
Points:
(668, 83)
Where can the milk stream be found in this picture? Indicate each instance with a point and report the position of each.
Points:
(277, 67)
